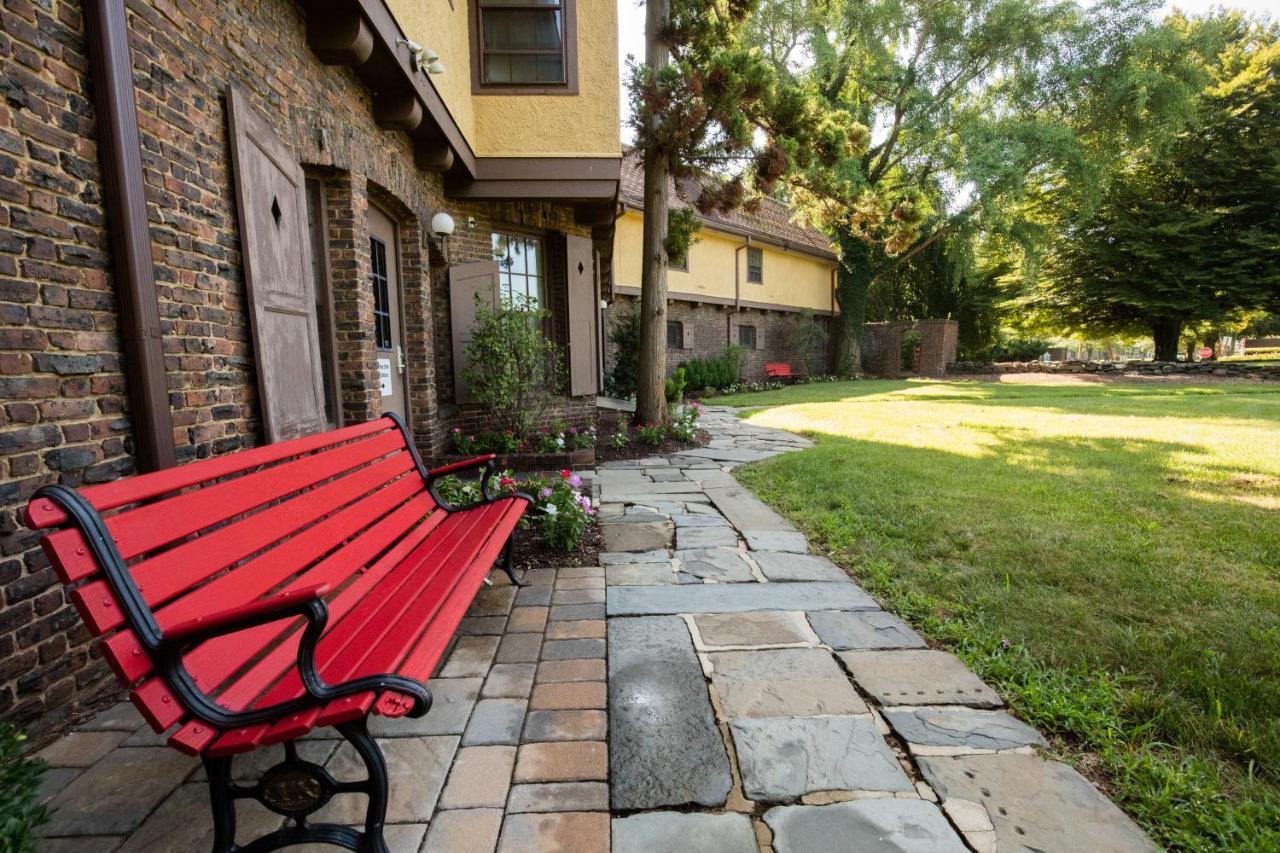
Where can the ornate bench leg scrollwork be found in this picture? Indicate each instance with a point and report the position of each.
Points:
(296, 789)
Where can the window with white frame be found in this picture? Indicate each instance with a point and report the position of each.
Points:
(521, 269)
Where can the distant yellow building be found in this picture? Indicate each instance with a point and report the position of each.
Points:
(747, 280)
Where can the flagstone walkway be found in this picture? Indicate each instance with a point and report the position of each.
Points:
(712, 688)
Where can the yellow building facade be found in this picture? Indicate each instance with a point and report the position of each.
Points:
(749, 280)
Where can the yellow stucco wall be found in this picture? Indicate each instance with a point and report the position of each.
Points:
(790, 278)
(585, 124)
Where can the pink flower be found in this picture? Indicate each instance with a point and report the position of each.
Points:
(575, 481)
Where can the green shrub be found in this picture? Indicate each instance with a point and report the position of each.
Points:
(512, 369)
(651, 434)
(714, 373)
(676, 385)
(20, 815)
(620, 381)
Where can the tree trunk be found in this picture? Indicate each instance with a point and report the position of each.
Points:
(853, 281)
(651, 397)
(1166, 332)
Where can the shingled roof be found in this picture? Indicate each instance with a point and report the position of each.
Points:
(771, 222)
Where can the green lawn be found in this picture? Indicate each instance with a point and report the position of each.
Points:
(1109, 555)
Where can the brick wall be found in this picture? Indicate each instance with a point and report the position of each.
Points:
(714, 327)
(62, 391)
(882, 346)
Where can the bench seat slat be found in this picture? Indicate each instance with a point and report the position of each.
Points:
(269, 667)
(41, 514)
(385, 646)
(405, 584)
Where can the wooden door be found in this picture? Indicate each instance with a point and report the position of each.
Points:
(584, 314)
(272, 205)
(467, 283)
(384, 280)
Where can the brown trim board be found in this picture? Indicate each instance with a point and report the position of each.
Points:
(706, 299)
(119, 153)
(570, 179)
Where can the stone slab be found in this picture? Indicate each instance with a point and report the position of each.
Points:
(416, 770)
(495, 721)
(745, 511)
(451, 702)
(664, 747)
(118, 792)
(183, 823)
(640, 574)
(710, 518)
(706, 537)
(883, 825)
(559, 797)
(763, 628)
(785, 566)
(863, 629)
(463, 831)
(658, 555)
(961, 727)
(919, 677)
(560, 832)
(636, 536)
(719, 564)
(735, 598)
(1035, 804)
(704, 833)
(775, 540)
(782, 683)
(782, 758)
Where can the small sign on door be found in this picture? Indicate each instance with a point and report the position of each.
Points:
(384, 377)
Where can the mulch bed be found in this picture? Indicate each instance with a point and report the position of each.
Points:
(605, 452)
(533, 553)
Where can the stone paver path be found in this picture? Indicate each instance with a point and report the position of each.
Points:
(754, 684)
(711, 688)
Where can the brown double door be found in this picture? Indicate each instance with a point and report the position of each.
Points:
(384, 279)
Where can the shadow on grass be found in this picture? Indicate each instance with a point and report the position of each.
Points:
(1097, 552)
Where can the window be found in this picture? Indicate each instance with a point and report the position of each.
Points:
(681, 264)
(747, 336)
(755, 265)
(381, 300)
(524, 45)
(520, 269)
(675, 334)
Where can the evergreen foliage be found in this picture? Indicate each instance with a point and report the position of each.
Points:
(512, 369)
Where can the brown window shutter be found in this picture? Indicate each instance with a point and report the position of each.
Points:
(271, 202)
(759, 338)
(687, 343)
(466, 283)
(584, 313)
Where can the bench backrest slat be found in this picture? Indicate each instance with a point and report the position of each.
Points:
(41, 514)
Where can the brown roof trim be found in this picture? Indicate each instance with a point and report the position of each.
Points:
(362, 34)
(570, 179)
(706, 299)
(719, 225)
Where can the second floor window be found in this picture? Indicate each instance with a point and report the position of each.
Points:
(520, 269)
(755, 265)
(675, 334)
(524, 43)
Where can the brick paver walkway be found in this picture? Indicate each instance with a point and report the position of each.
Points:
(757, 700)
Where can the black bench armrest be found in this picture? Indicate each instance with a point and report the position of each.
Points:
(307, 602)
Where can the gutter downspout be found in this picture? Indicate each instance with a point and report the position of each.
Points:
(737, 291)
(125, 203)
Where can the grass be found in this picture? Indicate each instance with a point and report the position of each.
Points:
(1107, 554)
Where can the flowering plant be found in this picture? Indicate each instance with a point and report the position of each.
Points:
(581, 439)
(464, 442)
(562, 510)
(547, 441)
(650, 434)
(684, 422)
(502, 442)
(620, 436)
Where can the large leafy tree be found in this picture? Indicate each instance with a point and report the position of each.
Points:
(709, 111)
(1187, 233)
(983, 101)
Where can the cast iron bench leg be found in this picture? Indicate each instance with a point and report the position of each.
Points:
(295, 789)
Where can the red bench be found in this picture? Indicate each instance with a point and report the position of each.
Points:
(778, 370)
(246, 599)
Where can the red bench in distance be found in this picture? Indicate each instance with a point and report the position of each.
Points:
(247, 599)
(778, 370)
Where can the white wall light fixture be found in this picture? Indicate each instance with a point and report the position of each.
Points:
(441, 228)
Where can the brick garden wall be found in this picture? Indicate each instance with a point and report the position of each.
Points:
(62, 393)
(882, 346)
(714, 327)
